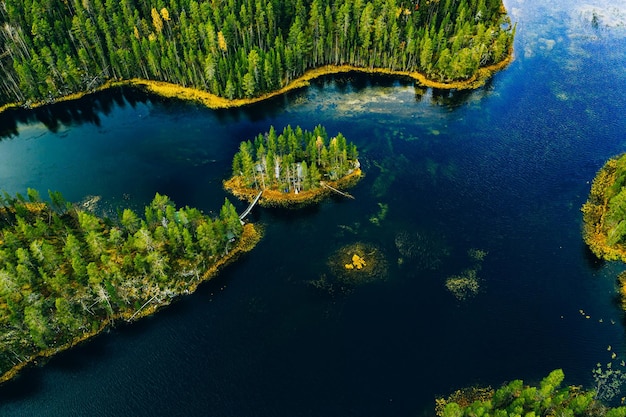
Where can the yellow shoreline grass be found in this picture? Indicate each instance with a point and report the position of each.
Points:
(171, 90)
(276, 198)
(212, 101)
(249, 238)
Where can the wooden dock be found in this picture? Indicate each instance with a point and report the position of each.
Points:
(251, 206)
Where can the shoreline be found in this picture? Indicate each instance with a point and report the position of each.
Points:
(171, 90)
(276, 198)
(595, 210)
(250, 236)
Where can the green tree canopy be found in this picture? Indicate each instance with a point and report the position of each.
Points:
(240, 48)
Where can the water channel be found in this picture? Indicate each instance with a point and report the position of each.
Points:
(503, 170)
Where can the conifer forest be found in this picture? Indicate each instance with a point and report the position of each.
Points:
(237, 48)
(66, 272)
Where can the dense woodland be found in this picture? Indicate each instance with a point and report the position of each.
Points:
(295, 160)
(604, 216)
(237, 48)
(64, 271)
(518, 400)
(605, 211)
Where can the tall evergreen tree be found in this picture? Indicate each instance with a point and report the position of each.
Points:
(57, 47)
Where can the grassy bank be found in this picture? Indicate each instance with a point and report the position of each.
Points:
(277, 198)
(212, 101)
(170, 90)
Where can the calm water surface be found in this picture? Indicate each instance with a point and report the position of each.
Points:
(504, 170)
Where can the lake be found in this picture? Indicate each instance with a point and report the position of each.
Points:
(502, 170)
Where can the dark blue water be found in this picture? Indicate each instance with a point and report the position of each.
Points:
(504, 169)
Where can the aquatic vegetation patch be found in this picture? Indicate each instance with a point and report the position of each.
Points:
(477, 254)
(381, 215)
(467, 284)
(351, 266)
(330, 285)
(432, 167)
(358, 263)
(425, 250)
(383, 181)
(389, 169)
(437, 170)
(608, 380)
(349, 229)
(603, 14)
(90, 202)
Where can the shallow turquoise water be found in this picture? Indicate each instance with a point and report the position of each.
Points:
(504, 169)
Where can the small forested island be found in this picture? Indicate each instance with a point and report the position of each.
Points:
(66, 274)
(293, 168)
(604, 213)
(516, 399)
(219, 51)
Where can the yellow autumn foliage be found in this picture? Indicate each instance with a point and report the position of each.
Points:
(221, 41)
(348, 264)
(156, 20)
(357, 262)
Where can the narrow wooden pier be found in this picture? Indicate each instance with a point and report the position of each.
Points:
(323, 184)
(251, 206)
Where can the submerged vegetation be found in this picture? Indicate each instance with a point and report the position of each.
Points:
(350, 266)
(358, 263)
(65, 274)
(423, 250)
(464, 285)
(237, 48)
(294, 167)
(467, 284)
(517, 399)
(381, 215)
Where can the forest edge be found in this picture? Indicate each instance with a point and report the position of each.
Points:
(250, 236)
(212, 101)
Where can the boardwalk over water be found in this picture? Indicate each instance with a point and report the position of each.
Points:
(251, 206)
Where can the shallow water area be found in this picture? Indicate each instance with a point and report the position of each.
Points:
(503, 170)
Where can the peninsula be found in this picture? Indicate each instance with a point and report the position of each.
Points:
(236, 53)
(604, 213)
(604, 216)
(66, 274)
(294, 168)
